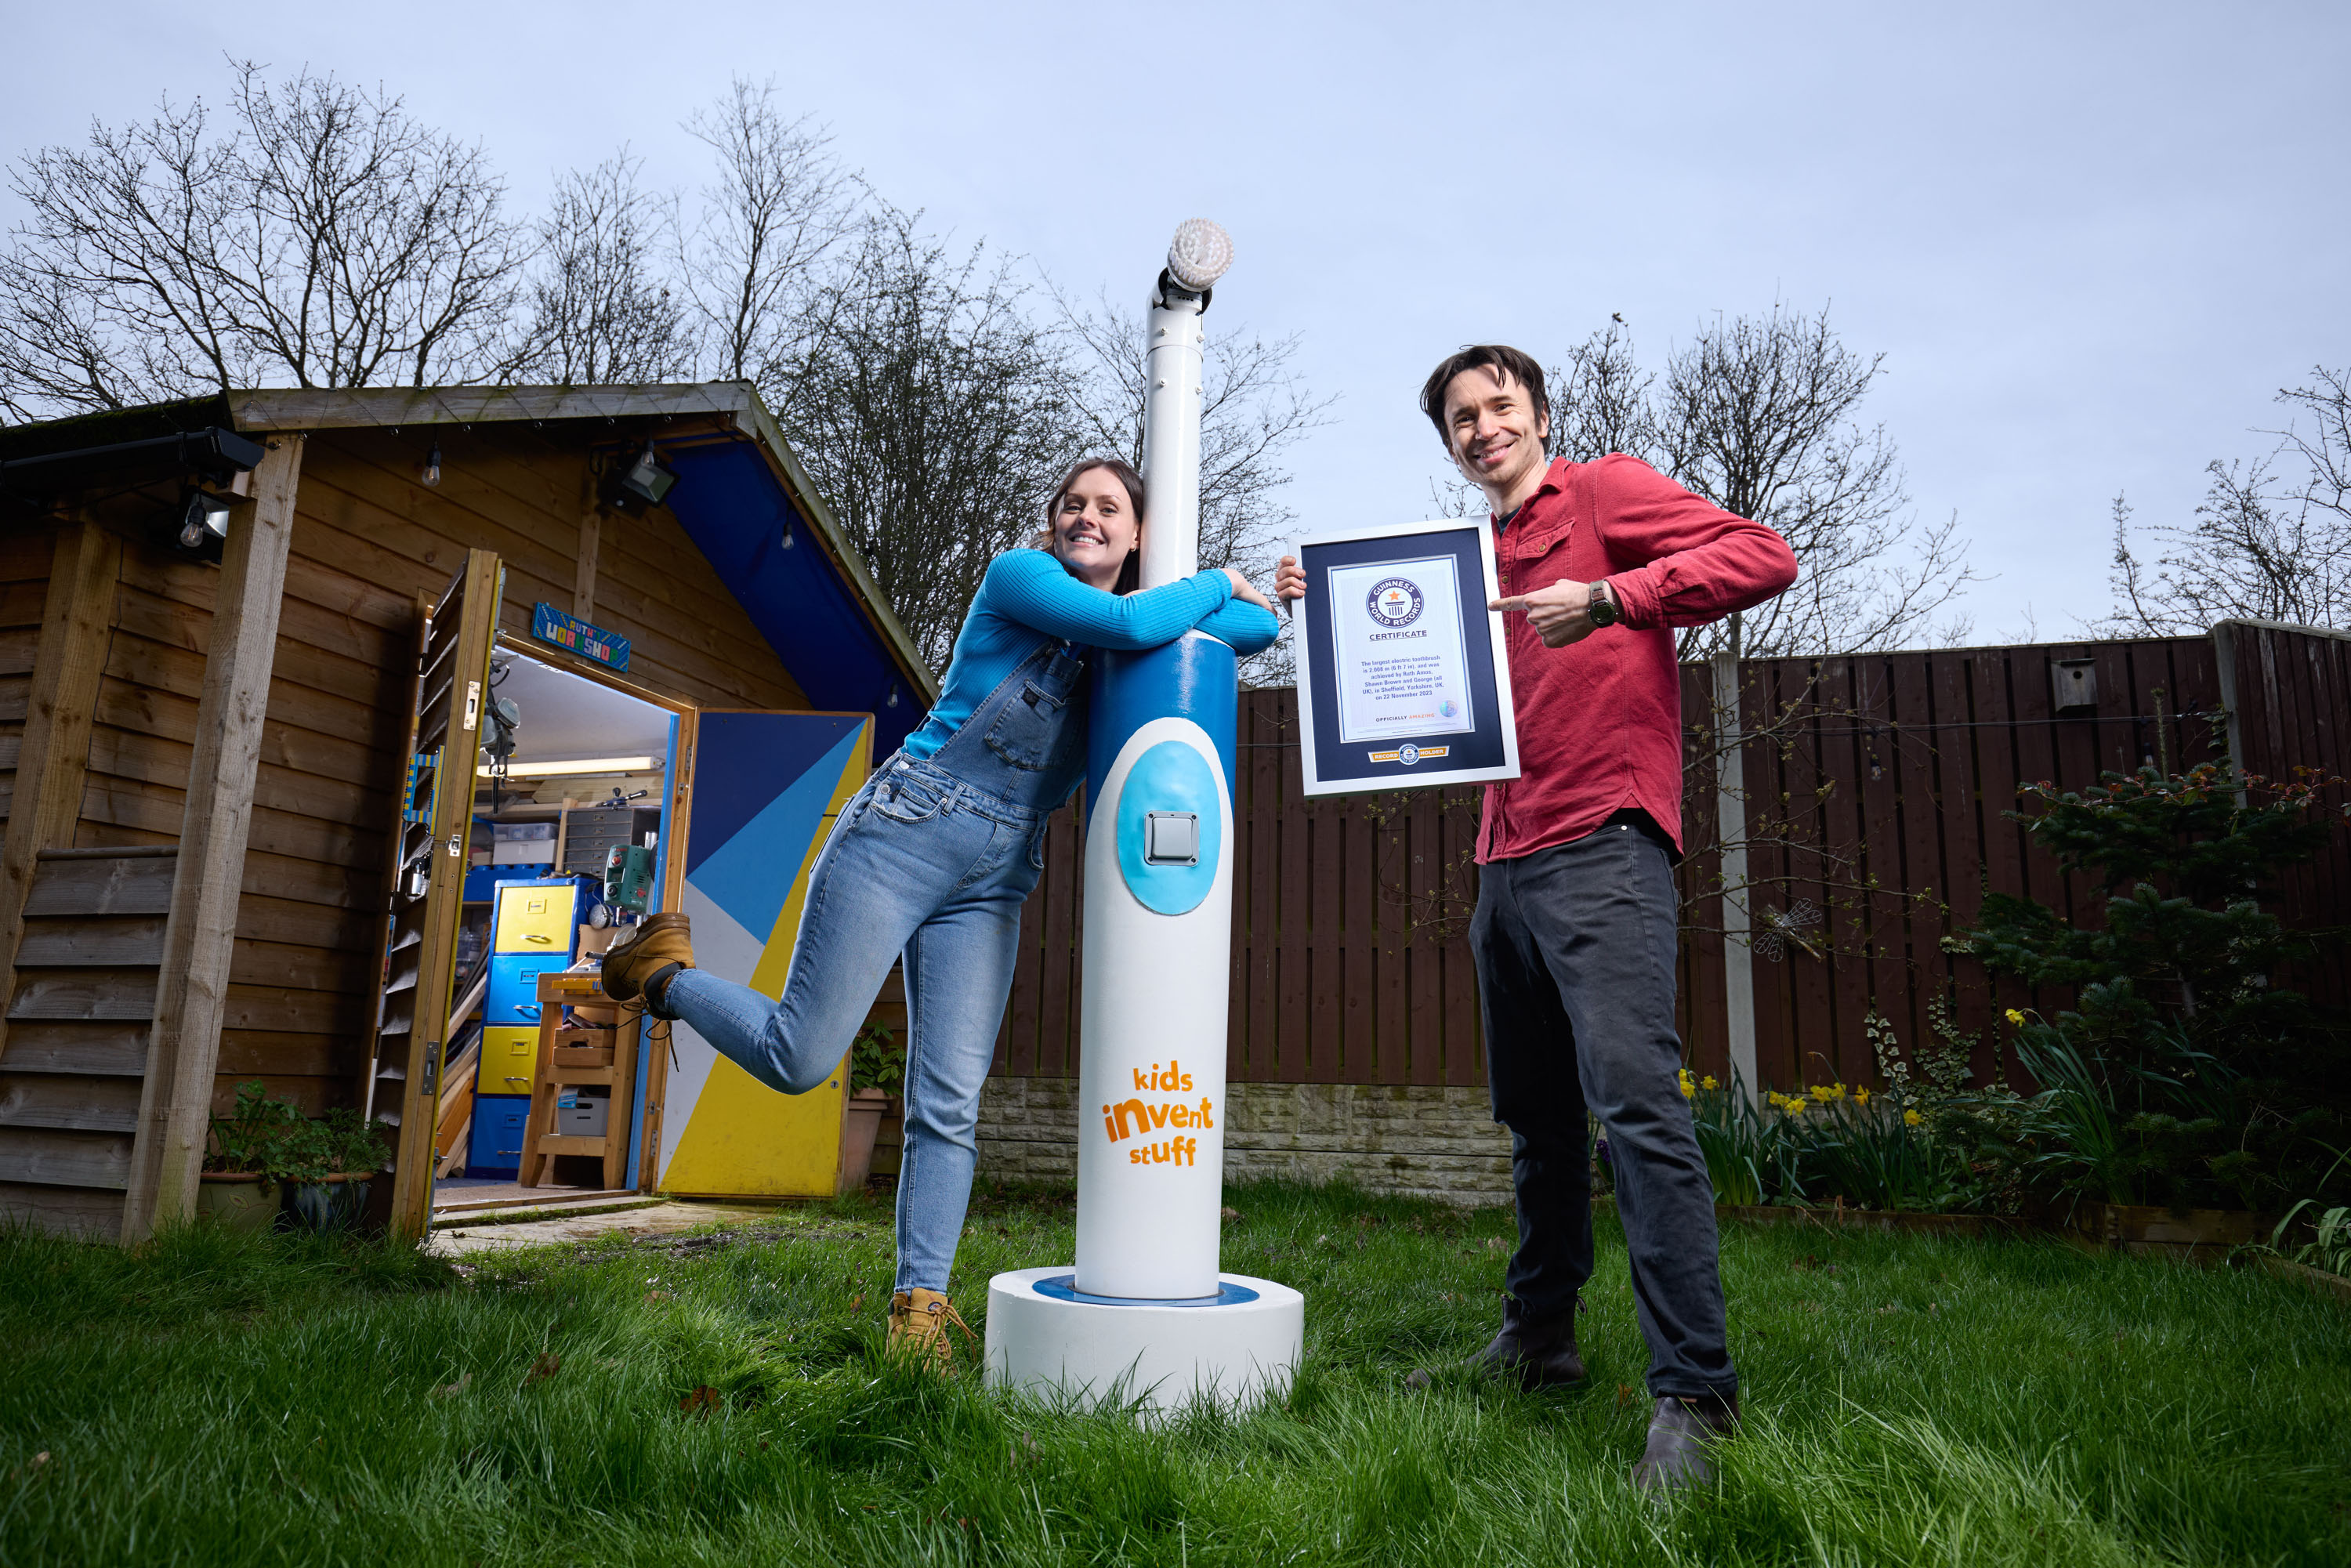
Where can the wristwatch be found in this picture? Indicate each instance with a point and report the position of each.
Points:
(1602, 609)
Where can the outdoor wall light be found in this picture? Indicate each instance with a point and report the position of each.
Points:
(647, 480)
(203, 519)
(199, 525)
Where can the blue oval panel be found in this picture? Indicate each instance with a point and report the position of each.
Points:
(1170, 777)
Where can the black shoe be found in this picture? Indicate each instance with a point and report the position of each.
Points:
(1538, 1351)
(1680, 1434)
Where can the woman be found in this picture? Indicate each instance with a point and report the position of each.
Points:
(934, 857)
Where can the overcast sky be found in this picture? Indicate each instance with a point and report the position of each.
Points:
(2092, 241)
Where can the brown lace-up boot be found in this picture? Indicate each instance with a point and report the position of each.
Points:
(660, 942)
(919, 1327)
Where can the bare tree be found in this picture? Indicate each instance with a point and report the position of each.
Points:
(1254, 408)
(777, 207)
(324, 238)
(1601, 401)
(930, 409)
(600, 314)
(1756, 414)
(2272, 540)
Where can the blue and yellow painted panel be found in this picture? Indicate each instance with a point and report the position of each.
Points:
(766, 789)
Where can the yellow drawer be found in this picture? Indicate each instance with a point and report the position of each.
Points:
(534, 920)
(508, 1057)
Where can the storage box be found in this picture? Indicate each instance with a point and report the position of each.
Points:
(522, 851)
(525, 832)
(579, 1114)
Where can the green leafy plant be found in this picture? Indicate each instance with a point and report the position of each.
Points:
(1732, 1136)
(876, 1061)
(268, 1134)
(1826, 1143)
(2185, 1073)
(246, 1139)
(337, 1144)
(2329, 1248)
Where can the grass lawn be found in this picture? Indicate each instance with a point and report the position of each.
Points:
(1909, 1400)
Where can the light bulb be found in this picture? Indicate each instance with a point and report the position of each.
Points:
(893, 701)
(432, 464)
(791, 541)
(1200, 255)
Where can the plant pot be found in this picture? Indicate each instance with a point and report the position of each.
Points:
(334, 1204)
(242, 1201)
(860, 1121)
(2197, 1235)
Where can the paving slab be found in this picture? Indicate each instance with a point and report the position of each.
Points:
(659, 1218)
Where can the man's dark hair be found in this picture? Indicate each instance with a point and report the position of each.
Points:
(1514, 364)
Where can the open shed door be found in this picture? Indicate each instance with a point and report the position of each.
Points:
(763, 790)
(428, 883)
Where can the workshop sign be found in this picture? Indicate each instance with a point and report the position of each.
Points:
(549, 624)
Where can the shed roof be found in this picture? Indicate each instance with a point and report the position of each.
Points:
(741, 493)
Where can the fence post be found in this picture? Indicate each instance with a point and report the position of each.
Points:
(1730, 832)
(2224, 664)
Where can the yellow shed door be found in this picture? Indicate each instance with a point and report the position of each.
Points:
(763, 792)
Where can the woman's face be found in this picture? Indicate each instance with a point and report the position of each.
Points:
(1095, 527)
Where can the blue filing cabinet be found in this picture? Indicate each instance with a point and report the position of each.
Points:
(533, 923)
(531, 932)
(512, 1000)
(496, 1146)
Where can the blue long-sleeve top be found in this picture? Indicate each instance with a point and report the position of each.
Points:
(1028, 593)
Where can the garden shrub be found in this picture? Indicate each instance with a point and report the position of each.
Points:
(2186, 1072)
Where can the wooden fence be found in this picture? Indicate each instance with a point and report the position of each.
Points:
(1863, 798)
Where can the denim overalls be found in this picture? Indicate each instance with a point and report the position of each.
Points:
(933, 858)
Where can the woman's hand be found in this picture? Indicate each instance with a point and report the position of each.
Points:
(1244, 589)
(1290, 579)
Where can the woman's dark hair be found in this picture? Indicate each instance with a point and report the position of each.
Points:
(1511, 364)
(1130, 573)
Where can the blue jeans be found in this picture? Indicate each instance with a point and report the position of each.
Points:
(1574, 946)
(925, 865)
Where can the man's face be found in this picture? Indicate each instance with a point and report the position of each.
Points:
(1492, 429)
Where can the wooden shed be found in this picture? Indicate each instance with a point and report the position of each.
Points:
(241, 794)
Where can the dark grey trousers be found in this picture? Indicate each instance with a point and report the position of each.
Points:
(1574, 946)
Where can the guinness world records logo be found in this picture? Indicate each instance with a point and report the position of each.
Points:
(1394, 601)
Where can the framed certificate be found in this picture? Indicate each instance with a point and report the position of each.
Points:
(1402, 679)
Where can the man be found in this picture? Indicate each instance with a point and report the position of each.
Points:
(1575, 933)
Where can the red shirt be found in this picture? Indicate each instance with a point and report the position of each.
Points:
(1600, 721)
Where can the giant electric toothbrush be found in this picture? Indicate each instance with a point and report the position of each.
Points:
(1146, 1313)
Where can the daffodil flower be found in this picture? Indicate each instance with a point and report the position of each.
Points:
(1911, 1118)
(2016, 1017)
(1708, 1082)
(1861, 1096)
(1689, 1090)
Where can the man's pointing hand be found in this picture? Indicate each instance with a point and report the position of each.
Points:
(1559, 612)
